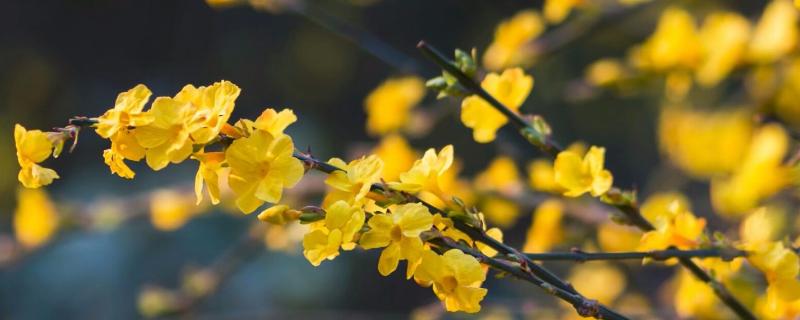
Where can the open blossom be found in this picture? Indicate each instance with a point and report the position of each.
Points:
(510, 88)
(357, 178)
(341, 224)
(211, 108)
(428, 175)
(578, 176)
(399, 233)
(389, 105)
(674, 226)
(261, 166)
(127, 112)
(456, 279)
(168, 138)
(33, 147)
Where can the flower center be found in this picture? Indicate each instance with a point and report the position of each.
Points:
(449, 284)
(396, 233)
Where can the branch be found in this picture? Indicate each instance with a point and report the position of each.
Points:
(628, 208)
(528, 269)
(580, 256)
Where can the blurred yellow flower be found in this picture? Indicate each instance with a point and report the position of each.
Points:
(578, 176)
(761, 226)
(694, 298)
(510, 88)
(555, 11)
(614, 237)
(501, 176)
(545, 230)
(787, 99)
(759, 175)
(542, 176)
(389, 105)
(775, 34)
(499, 211)
(127, 112)
(674, 44)
(33, 147)
(665, 204)
(724, 36)
(456, 278)
(396, 154)
(170, 210)
(691, 139)
(510, 39)
(604, 72)
(261, 166)
(35, 218)
(598, 280)
(680, 229)
(399, 233)
(338, 229)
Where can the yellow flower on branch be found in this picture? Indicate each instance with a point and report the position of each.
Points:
(35, 218)
(578, 176)
(341, 224)
(275, 122)
(123, 146)
(389, 105)
(357, 178)
(510, 88)
(33, 147)
(510, 38)
(167, 139)
(399, 233)
(676, 227)
(127, 112)
(456, 278)
(428, 175)
(208, 175)
(211, 108)
(261, 166)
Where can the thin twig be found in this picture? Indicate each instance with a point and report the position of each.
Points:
(581, 256)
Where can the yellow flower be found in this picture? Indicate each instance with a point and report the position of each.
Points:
(674, 44)
(760, 174)
(545, 230)
(604, 72)
(510, 88)
(541, 176)
(775, 34)
(396, 154)
(342, 222)
(427, 174)
(787, 100)
(261, 166)
(578, 176)
(780, 265)
(456, 278)
(123, 146)
(510, 38)
(208, 175)
(357, 177)
(167, 139)
(614, 237)
(399, 233)
(127, 112)
(691, 140)
(275, 122)
(502, 176)
(724, 36)
(388, 106)
(33, 147)
(681, 229)
(170, 210)
(35, 218)
(555, 11)
(279, 214)
(499, 211)
(666, 204)
(695, 298)
(211, 108)
(598, 280)
(761, 226)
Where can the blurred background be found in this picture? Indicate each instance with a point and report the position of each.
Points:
(71, 58)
